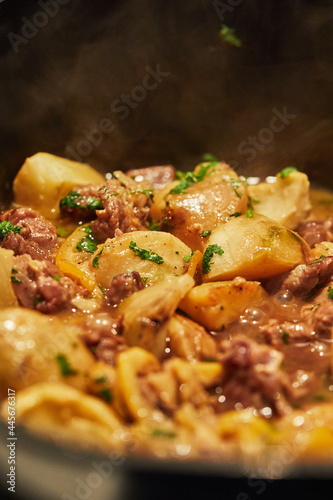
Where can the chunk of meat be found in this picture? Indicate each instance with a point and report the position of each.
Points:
(283, 333)
(188, 209)
(37, 236)
(253, 376)
(124, 211)
(303, 279)
(314, 232)
(102, 334)
(122, 286)
(39, 284)
(81, 203)
(320, 318)
(158, 176)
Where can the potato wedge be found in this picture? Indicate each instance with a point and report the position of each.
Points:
(7, 295)
(146, 313)
(252, 247)
(287, 200)
(215, 305)
(191, 211)
(117, 257)
(44, 179)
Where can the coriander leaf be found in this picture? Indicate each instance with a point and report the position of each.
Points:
(64, 365)
(57, 277)
(96, 259)
(207, 256)
(286, 171)
(147, 192)
(206, 233)
(7, 227)
(249, 213)
(145, 254)
(94, 203)
(330, 292)
(154, 226)
(15, 280)
(106, 394)
(187, 258)
(285, 337)
(71, 200)
(87, 243)
(182, 186)
(228, 36)
(187, 179)
(235, 214)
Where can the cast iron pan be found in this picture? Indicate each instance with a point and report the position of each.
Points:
(125, 84)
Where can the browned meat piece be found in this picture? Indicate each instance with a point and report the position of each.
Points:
(320, 318)
(37, 236)
(304, 279)
(123, 285)
(283, 333)
(253, 376)
(81, 203)
(41, 285)
(124, 211)
(103, 336)
(316, 231)
(158, 176)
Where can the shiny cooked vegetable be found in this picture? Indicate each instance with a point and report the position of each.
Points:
(170, 314)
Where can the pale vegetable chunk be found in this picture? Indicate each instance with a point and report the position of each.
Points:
(146, 313)
(153, 254)
(44, 179)
(191, 209)
(287, 200)
(252, 247)
(35, 348)
(215, 305)
(7, 295)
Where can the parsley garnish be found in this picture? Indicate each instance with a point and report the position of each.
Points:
(249, 213)
(330, 292)
(146, 254)
(206, 233)
(94, 203)
(96, 259)
(88, 242)
(101, 379)
(15, 280)
(228, 36)
(154, 226)
(209, 157)
(147, 192)
(71, 200)
(57, 277)
(7, 227)
(144, 280)
(187, 258)
(163, 433)
(64, 365)
(106, 394)
(285, 337)
(38, 300)
(102, 289)
(235, 214)
(286, 171)
(187, 179)
(207, 256)
(62, 232)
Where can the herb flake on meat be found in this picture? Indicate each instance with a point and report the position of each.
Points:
(147, 192)
(228, 36)
(287, 171)
(71, 200)
(88, 242)
(330, 292)
(7, 227)
(145, 254)
(94, 203)
(64, 365)
(208, 255)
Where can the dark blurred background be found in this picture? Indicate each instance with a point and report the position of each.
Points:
(77, 79)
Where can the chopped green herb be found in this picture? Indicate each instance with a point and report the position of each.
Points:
(209, 157)
(15, 280)
(314, 306)
(330, 292)
(64, 365)
(154, 226)
(189, 178)
(71, 200)
(88, 243)
(94, 203)
(249, 213)
(145, 254)
(176, 252)
(102, 289)
(38, 300)
(206, 233)
(163, 433)
(182, 186)
(317, 260)
(207, 256)
(228, 36)
(62, 232)
(100, 380)
(14, 271)
(7, 227)
(235, 214)
(210, 360)
(319, 397)
(235, 183)
(187, 258)
(106, 394)
(96, 259)
(147, 192)
(144, 279)
(284, 335)
(57, 277)
(286, 171)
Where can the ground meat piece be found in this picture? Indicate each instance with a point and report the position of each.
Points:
(158, 176)
(39, 284)
(103, 336)
(253, 376)
(37, 236)
(320, 318)
(123, 285)
(124, 211)
(304, 279)
(81, 203)
(316, 231)
(283, 333)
